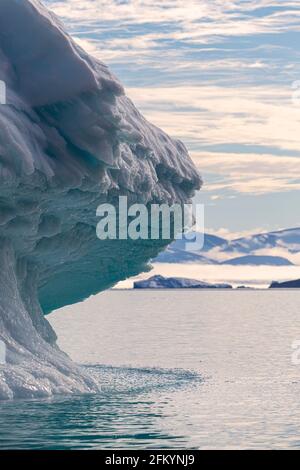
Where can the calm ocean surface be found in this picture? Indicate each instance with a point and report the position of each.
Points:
(180, 369)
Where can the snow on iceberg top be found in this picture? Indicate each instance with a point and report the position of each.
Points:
(74, 99)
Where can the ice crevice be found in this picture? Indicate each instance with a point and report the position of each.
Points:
(70, 139)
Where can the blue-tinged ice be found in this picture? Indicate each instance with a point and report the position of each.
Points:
(69, 140)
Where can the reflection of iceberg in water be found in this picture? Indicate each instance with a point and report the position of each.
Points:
(69, 140)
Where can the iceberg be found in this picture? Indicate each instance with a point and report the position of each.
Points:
(70, 139)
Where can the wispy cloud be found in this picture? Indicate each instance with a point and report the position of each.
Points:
(229, 118)
(183, 25)
(250, 173)
(225, 13)
(215, 73)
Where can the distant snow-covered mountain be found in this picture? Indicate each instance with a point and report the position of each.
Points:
(161, 282)
(276, 248)
(177, 253)
(288, 239)
(258, 261)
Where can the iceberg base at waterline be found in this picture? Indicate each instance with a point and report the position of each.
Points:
(34, 366)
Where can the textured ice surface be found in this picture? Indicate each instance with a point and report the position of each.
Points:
(69, 140)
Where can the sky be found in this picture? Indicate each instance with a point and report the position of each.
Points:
(224, 77)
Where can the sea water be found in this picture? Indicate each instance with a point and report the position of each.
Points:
(178, 368)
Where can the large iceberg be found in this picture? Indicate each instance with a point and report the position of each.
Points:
(70, 139)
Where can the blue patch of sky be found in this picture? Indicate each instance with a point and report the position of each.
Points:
(262, 12)
(246, 149)
(277, 51)
(278, 54)
(247, 211)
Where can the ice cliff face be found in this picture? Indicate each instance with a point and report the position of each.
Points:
(69, 140)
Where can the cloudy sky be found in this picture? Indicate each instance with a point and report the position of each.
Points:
(222, 75)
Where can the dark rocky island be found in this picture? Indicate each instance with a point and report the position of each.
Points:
(286, 285)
